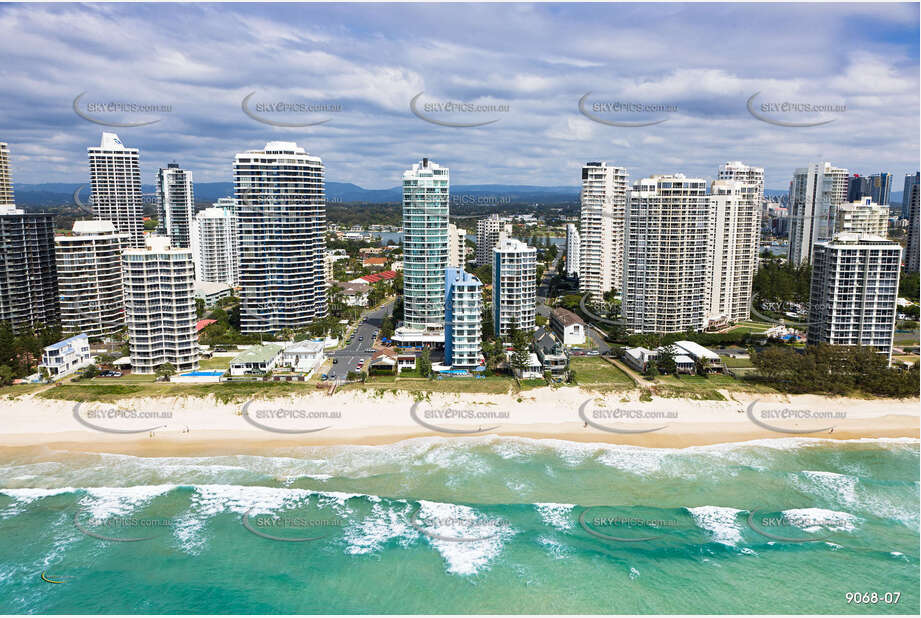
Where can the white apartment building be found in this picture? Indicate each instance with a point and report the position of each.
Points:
(601, 254)
(457, 246)
(281, 222)
(89, 264)
(65, 357)
(736, 170)
(666, 262)
(735, 232)
(572, 250)
(463, 317)
(160, 306)
(426, 196)
(514, 286)
(815, 194)
(853, 293)
(115, 183)
(175, 205)
(215, 245)
(6, 176)
(489, 232)
(863, 217)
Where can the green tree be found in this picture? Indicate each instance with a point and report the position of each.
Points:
(200, 308)
(424, 364)
(165, 370)
(665, 360)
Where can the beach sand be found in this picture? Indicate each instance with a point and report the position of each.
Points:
(202, 427)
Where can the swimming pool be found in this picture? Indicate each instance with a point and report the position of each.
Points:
(202, 373)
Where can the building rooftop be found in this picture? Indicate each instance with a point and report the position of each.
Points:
(66, 342)
(566, 317)
(306, 347)
(258, 354)
(210, 287)
(202, 324)
(695, 349)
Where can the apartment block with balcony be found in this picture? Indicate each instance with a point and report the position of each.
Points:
(89, 265)
(514, 287)
(853, 292)
(115, 182)
(463, 317)
(666, 260)
(601, 221)
(159, 283)
(426, 198)
(281, 221)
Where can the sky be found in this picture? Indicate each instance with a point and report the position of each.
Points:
(527, 64)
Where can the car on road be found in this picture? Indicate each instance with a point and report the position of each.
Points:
(370, 351)
(335, 360)
(361, 338)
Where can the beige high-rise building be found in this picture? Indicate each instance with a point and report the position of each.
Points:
(115, 182)
(6, 176)
(159, 283)
(601, 233)
(490, 231)
(457, 247)
(735, 237)
(863, 217)
(89, 266)
(666, 254)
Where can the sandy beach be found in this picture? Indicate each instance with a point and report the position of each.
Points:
(193, 426)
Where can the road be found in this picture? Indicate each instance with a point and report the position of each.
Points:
(542, 309)
(347, 358)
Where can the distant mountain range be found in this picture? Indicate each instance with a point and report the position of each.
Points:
(60, 193)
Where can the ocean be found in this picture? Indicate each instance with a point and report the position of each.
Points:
(466, 525)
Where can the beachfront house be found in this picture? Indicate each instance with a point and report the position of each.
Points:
(639, 358)
(303, 356)
(256, 360)
(709, 360)
(67, 356)
(533, 371)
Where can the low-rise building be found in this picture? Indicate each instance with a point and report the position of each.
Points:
(256, 360)
(568, 326)
(374, 262)
(639, 358)
(554, 360)
(709, 359)
(354, 294)
(67, 356)
(211, 292)
(534, 370)
(304, 356)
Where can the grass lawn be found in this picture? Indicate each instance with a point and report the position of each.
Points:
(17, 390)
(128, 378)
(491, 384)
(225, 391)
(734, 363)
(217, 362)
(698, 387)
(598, 374)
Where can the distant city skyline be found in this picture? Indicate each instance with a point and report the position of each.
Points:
(363, 68)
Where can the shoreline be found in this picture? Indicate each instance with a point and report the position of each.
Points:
(203, 427)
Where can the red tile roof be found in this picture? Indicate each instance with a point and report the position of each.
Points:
(387, 274)
(201, 324)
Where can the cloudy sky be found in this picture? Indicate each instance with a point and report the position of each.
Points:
(529, 64)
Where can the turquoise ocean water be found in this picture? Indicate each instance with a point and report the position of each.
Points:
(471, 525)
